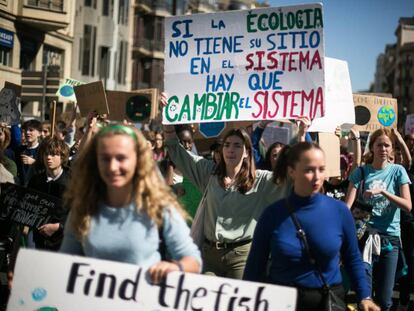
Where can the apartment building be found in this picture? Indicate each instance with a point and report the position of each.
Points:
(395, 70)
(101, 48)
(34, 34)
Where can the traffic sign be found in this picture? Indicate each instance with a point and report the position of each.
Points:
(212, 129)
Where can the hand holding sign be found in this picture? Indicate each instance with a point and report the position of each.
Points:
(48, 229)
(303, 124)
(169, 130)
(159, 271)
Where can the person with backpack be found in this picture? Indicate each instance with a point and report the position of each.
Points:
(386, 190)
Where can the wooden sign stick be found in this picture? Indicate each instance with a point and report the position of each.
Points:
(53, 119)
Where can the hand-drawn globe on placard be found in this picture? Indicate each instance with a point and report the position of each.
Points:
(138, 108)
(66, 91)
(386, 115)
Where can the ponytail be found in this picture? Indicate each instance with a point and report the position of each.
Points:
(288, 157)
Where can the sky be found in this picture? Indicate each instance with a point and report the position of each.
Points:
(357, 31)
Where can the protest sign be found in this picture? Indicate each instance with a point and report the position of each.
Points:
(91, 284)
(374, 112)
(409, 124)
(66, 91)
(135, 106)
(245, 65)
(15, 87)
(331, 146)
(91, 97)
(9, 103)
(203, 143)
(274, 133)
(338, 97)
(26, 206)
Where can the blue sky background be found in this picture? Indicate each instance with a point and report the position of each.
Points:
(358, 30)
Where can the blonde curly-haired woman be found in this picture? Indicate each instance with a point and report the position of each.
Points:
(118, 201)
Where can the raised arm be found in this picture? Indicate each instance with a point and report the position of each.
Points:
(405, 152)
(355, 138)
(256, 136)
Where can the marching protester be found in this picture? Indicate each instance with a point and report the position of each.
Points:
(26, 153)
(386, 189)
(120, 207)
(269, 161)
(187, 193)
(45, 131)
(51, 178)
(311, 266)
(7, 163)
(159, 148)
(235, 194)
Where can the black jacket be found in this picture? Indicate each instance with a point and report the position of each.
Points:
(54, 188)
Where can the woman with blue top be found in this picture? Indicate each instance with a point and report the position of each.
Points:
(386, 189)
(119, 204)
(329, 229)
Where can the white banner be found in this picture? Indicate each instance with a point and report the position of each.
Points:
(245, 65)
(66, 91)
(409, 124)
(50, 281)
(339, 103)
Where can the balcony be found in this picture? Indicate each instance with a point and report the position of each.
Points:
(46, 15)
(151, 6)
(148, 47)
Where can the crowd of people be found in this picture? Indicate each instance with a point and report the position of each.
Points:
(264, 213)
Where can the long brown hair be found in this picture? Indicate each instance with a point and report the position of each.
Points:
(150, 193)
(245, 178)
(369, 157)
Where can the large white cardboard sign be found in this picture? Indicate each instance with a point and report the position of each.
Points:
(339, 103)
(50, 281)
(409, 124)
(245, 65)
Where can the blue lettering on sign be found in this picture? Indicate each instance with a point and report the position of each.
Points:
(219, 25)
(6, 38)
(199, 65)
(222, 83)
(177, 30)
(211, 129)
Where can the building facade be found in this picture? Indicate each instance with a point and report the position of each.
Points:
(395, 70)
(101, 47)
(35, 34)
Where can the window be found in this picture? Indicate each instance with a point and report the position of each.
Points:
(53, 57)
(104, 63)
(80, 53)
(122, 62)
(123, 12)
(55, 5)
(90, 3)
(28, 52)
(88, 52)
(105, 7)
(5, 56)
(159, 34)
